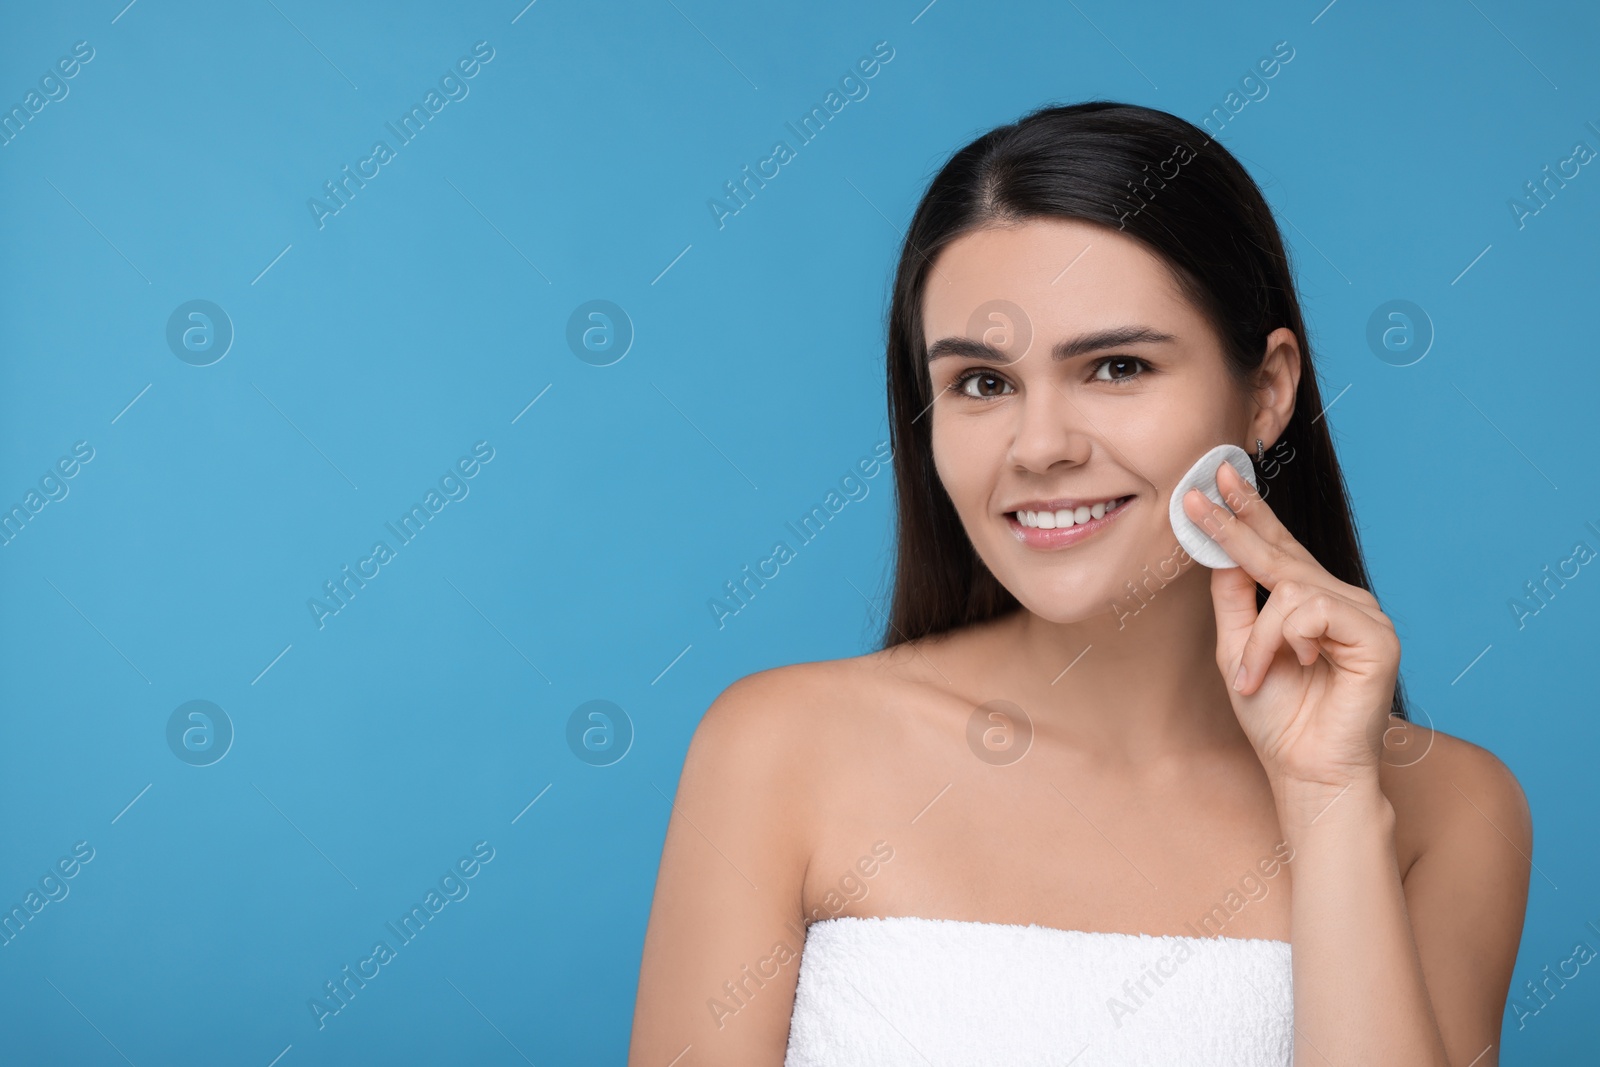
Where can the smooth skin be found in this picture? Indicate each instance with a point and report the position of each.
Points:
(1150, 787)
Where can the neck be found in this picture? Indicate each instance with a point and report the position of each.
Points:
(1126, 686)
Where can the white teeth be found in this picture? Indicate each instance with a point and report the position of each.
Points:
(1064, 519)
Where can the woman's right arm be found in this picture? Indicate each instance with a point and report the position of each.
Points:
(722, 950)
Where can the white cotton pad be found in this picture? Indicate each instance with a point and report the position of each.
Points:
(1203, 476)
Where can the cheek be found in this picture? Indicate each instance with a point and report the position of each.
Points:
(962, 457)
(1152, 426)
(1164, 440)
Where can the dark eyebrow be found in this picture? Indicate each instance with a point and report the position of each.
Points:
(1115, 337)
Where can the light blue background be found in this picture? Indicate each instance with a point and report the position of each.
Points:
(429, 312)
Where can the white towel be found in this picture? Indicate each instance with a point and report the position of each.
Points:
(881, 992)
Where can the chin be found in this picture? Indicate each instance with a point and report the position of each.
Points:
(1066, 601)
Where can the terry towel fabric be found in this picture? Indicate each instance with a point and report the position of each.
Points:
(891, 991)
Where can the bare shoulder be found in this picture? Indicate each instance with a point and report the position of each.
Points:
(797, 721)
(1464, 846)
(1449, 792)
(741, 831)
(782, 705)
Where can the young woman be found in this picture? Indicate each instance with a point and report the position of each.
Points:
(1093, 802)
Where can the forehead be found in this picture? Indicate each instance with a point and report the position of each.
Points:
(1065, 276)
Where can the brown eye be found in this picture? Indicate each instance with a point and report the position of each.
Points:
(982, 385)
(1118, 369)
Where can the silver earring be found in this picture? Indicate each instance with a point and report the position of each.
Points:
(1259, 458)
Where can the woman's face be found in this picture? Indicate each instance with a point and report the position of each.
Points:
(1106, 422)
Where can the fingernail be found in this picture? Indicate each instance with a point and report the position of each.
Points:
(1238, 679)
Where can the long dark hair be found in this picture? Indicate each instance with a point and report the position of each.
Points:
(1111, 164)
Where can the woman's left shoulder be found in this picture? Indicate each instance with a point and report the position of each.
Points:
(1452, 795)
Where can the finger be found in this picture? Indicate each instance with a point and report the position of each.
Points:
(1252, 509)
(1233, 597)
(1276, 628)
(1316, 622)
(1263, 641)
(1264, 562)
(1305, 648)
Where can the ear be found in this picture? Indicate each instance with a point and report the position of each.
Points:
(1277, 383)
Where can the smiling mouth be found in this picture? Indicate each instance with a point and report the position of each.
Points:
(1066, 518)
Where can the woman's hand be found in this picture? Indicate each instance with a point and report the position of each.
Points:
(1312, 676)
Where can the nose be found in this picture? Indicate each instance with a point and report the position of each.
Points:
(1050, 430)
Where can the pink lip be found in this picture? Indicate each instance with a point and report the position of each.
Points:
(1059, 538)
